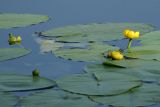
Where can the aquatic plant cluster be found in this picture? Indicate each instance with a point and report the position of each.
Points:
(128, 77)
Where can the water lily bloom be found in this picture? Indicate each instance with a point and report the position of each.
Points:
(131, 34)
(116, 55)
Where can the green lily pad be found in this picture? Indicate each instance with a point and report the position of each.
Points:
(95, 32)
(53, 98)
(13, 82)
(9, 20)
(107, 84)
(145, 52)
(148, 94)
(152, 75)
(93, 53)
(8, 100)
(134, 63)
(151, 38)
(12, 53)
(48, 45)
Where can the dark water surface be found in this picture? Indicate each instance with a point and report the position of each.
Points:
(63, 13)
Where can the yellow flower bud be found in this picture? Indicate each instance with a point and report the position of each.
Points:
(19, 39)
(117, 55)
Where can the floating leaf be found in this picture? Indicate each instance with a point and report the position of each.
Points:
(151, 38)
(134, 63)
(8, 100)
(148, 94)
(145, 52)
(94, 53)
(53, 98)
(9, 20)
(13, 82)
(152, 75)
(76, 45)
(95, 32)
(11, 53)
(48, 45)
(107, 84)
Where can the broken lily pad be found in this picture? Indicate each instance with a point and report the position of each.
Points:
(147, 94)
(8, 100)
(107, 84)
(48, 45)
(9, 20)
(13, 82)
(56, 98)
(12, 53)
(95, 32)
(94, 52)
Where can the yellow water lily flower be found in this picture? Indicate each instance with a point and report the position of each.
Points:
(116, 55)
(131, 34)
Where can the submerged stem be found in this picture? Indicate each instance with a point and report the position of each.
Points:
(129, 43)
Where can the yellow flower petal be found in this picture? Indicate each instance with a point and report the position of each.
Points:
(137, 34)
(18, 39)
(130, 34)
(126, 32)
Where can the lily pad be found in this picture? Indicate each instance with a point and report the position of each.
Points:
(151, 38)
(56, 98)
(134, 63)
(8, 100)
(148, 94)
(48, 45)
(152, 75)
(13, 82)
(12, 53)
(95, 32)
(93, 53)
(145, 52)
(107, 84)
(9, 20)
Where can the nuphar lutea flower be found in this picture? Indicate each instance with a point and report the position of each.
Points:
(131, 34)
(115, 55)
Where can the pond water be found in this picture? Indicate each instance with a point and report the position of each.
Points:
(63, 13)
